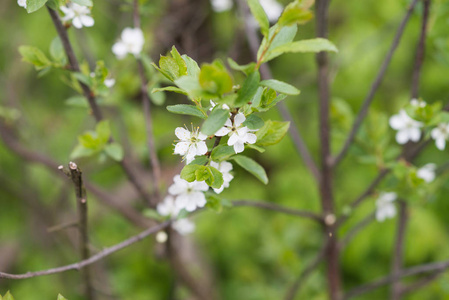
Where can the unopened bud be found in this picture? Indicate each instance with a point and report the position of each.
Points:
(330, 219)
(161, 237)
(72, 165)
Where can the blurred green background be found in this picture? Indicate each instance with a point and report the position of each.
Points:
(251, 254)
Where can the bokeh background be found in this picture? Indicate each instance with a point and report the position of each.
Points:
(250, 254)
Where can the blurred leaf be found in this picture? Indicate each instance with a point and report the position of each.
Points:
(297, 12)
(249, 88)
(251, 166)
(253, 122)
(169, 89)
(215, 121)
(152, 214)
(304, 46)
(77, 101)
(271, 133)
(34, 56)
(157, 98)
(215, 79)
(81, 151)
(83, 2)
(61, 297)
(185, 109)
(33, 5)
(214, 202)
(114, 151)
(247, 69)
(259, 14)
(103, 131)
(87, 80)
(222, 152)
(280, 87)
(57, 51)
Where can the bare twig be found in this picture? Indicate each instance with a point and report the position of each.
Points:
(294, 289)
(398, 252)
(82, 264)
(375, 85)
(437, 267)
(420, 283)
(154, 161)
(265, 72)
(278, 208)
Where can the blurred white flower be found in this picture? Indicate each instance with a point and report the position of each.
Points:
(408, 129)
(22, 3)
(273, 9)
(109, 82)
(213, 104)
(184, 226)
(427, 172)
(224, 167)
(221, 5)
(385, 208)
(238, 134)
(78, 14)
(131, 42)
(190, 143)
(161, 237)
(189, 195)
(418, 103)
(440, 134)
(168, 207)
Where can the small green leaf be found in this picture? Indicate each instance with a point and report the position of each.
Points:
(260, 15)
(182, 66)
(190, 85)
(34, 56)
(61, 297)
(169, 89)
(33, 5)
(255, 101)
(215, 79)
(114, 151)
(248, 89)
(222, 152)
(214, 202)
(202, 173)
(172, 68)
(296, 12)
(280, 87)
(103, 131)
(255, 147)
(8, 296)
(188, 172)
(192, 67)
(216, 178)
(253, 122)
(83, 2)
(282, 36)
(304, 46)
(247, 69)
(156, 98)
(251, 166)
(81, 151)
(199, 160)
(89, 140)
(87, 80)
(185, 109)
(77, 101)
(271, 133)
(215, 121)
(152, 214)
(57, 51)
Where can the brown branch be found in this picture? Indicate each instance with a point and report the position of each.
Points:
(293, 291)
(278, 208)
(437, 267)
(154, 161)
(298, 141)
(82, 264)
(88, 93)
(398, 252)
(375, 85)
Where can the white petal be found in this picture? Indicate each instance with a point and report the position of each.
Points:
(251, 138)
(119, 49)
(222, 132)
(87, 21)
(218, 191)
(191, 152)
(402, 137)
(182, 133)
(414, 134)
(440, 143)
(200, 186)
(233, 139)
(76, 22)
(182, 201)
(225, 166)
(239, 147)
(200, 199)
(396, 122)
(201, 148)
(181, 148)
(239, 119)
(201, 136)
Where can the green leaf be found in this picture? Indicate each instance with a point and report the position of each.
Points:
(61, 297)
(251, 166)
(215, 121)
(199, 160)
(202, 173)
(260, 15)
(192, 67)
(188, 172)
(271, 133)
(214, 202)
(34, 56)
(222, 152)
(103, 131)
(280, 87)
(89, 140)
(282, 36)
(215, 79)
(77, 101)
(179, 61)
(8, 296)
(216, 178)
(33, 5)
(253, 122)
(156, 98)
(248, 89)
(152, 214)
(185, 109)
(114, 151)
(87, 80)
(304, 46)
(255, 147)
(83, 2)
(81, 151)
(57, 51)
(247, 69)
(169, 89)
(296, 12)
(172, 67)
(190, 85)
(255, 101)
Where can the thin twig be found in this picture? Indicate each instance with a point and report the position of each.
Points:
(154, 161)
(82, 264)
(437, 267)
(298, 141)
(398, 252)
(375, 85)
(416, 285)
(278, 208)
(294, 289)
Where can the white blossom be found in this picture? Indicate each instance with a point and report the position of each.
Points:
(440, 134)
(78, 14)
(189, 195)
(238, 134)
(418, 103)
(190, 143)
(427, 172)
(167, 207)
(224, 167)
(109, 82)
(221, 5)
(213, 104)
(22, 3)
(161, 237)
(184, 226)
(131, 42)
(408, 129)
(385, 208)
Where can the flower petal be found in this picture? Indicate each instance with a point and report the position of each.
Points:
(222, 132)
(239, 119)
(233, 139)
(181, 148)
(251, 138)
(239, 147)
(201, 148)
(182, 134)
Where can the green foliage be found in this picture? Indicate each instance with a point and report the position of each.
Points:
(209, 174)
(83, 2)
(34, 5)
(248, 90)
(185, 109)
(215, 121)
(214, 79)
(260, 15)
(61, 297)
(304, 46)
(297, 12)
(251, 166)
(7, 296)
(271, 133)
(222, 152)
(35, 57)
(253, 122)
(280, 86)
(172, 67)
